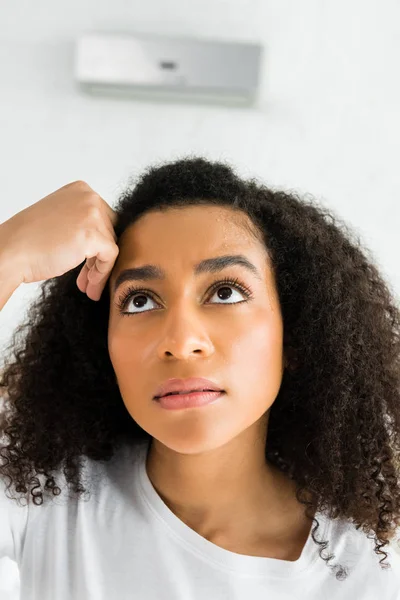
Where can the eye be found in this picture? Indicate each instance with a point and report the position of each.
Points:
(138, 296)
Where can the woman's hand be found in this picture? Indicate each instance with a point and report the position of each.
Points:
(57, 233)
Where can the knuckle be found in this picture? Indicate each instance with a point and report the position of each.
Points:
(93, 211)
(79, 184)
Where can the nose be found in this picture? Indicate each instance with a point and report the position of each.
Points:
(183, 337)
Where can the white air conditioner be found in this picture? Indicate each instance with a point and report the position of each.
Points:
(155, 66)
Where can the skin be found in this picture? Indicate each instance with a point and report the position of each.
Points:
(207, 464)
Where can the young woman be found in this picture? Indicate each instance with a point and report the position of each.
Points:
(208, 406)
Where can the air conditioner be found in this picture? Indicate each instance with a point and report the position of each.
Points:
(164, 67)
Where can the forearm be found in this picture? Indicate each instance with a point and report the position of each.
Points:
(9, 274)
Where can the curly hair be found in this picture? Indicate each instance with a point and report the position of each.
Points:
(334, 425)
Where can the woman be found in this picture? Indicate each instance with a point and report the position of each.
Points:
(267, 480)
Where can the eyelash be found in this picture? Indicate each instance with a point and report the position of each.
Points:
(132, 291)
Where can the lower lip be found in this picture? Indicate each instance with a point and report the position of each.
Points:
(192, 400)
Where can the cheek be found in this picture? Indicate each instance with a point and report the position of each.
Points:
(256, 359)
(127, 360)
(124, 352)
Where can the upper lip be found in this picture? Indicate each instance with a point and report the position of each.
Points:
(186, 385)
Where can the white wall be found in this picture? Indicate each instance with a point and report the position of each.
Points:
(328, 120)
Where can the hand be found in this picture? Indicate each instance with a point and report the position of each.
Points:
(57, 233)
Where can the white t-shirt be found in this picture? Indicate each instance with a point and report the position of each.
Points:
(123, 542)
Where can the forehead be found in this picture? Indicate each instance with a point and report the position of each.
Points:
(207, 226)
(201, 239)
(166, 243)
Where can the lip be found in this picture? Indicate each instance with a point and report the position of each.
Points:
(192, 400)
(186, 385)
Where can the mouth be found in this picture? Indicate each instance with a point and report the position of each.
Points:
(194, 399)
(183, 393)
(191, 385)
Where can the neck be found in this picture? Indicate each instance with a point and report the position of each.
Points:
(225, 492)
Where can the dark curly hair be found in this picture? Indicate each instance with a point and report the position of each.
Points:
(334, 426)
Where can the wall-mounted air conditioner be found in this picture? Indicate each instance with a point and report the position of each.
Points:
(164, 67)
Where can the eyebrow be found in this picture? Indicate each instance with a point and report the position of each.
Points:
(209, 265)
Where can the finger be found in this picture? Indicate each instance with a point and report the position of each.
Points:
(90, 277)
(89, 274)
(82, 279)
(96, 284)
(96, 270)
(106, 255)
(90, 262)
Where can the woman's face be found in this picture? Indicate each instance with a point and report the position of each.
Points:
(184, 326)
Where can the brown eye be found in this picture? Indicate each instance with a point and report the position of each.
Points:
(138, 295)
